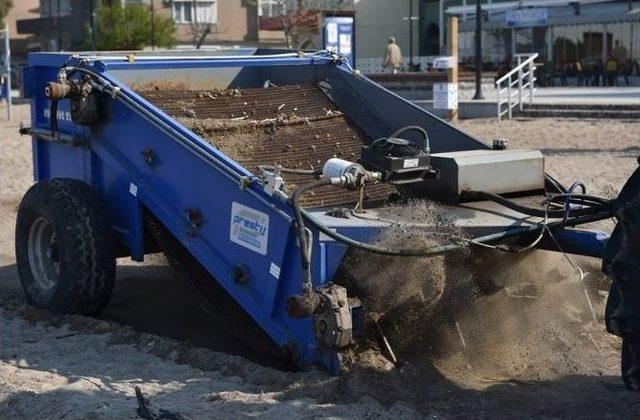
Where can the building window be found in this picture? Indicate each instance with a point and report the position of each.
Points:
(199, 11)
(49, 8)
(271, 8)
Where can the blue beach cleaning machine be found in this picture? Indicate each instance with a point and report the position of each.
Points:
(256, 173)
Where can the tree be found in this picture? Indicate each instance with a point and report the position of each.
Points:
(296, 18)
(292, 16)
(5, 7)
(129, 28)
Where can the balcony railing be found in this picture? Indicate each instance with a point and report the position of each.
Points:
(271, 18)
(42, 24)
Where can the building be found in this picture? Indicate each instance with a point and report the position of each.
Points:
(66, 24)
(560, 31)
(277, 19)
(19, 43)
(377, 20)
(212, 22)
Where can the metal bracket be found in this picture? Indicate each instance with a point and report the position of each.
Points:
(244, 182)
(332, 322)
(53, 136)
(273, 182)
(195, 218)
(150, 158)
(240, 275)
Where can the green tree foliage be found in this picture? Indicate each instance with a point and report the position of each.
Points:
(130, 28)
(5, 6)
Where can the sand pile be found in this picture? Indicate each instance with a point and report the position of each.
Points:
(544, 323)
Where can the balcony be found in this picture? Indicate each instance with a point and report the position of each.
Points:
(307, 18)
(43, 24)
(332, 5)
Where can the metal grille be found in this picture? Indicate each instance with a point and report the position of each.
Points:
(293, 126)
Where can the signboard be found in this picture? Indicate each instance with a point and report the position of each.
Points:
(249, 228)
(443, 63)
(445, 96)
(339, 36)
(525, 18)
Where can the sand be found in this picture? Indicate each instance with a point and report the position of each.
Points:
(531, 349)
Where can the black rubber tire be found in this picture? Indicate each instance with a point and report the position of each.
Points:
(85, 251)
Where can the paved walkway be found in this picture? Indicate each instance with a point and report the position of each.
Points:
(588, 95)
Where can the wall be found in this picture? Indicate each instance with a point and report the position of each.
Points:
(22, 9)
(377, 20)
(237, 24)
(429, 38)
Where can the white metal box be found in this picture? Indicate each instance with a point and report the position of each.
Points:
(493, 171)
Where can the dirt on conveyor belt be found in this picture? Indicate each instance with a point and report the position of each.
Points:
(294, 126)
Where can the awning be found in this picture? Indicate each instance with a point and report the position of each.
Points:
(501, 7)
(593, 13)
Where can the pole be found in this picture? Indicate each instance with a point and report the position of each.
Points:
(478, 95)
(58, 28)
(92, 23)
(411, 65)
(7, 66)
(452, 72)
(153, 26)
(441, 26)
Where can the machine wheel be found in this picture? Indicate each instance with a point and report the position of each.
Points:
(64, 248)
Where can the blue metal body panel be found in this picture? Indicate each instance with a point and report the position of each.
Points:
(190, 173)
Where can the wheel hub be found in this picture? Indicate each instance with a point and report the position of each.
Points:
(43, 251)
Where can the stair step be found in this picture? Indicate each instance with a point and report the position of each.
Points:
(606, 107)
(580, 113)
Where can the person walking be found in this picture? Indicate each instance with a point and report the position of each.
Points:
(611, 68)
(620, 54)
(393, 56)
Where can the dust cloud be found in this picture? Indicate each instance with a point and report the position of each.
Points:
(479, 316)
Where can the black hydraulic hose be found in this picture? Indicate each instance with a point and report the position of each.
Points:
(596, 198)
(301, 215)
(303, 239)
(531, 211)
(53, 118)
(581, 202)
(439, 250)
(427, 145)
(555, 183)
(418, 252)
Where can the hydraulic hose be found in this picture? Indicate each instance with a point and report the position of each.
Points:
(580, 197)
(427, 145)
(303, 239)
(531, 211)
(418, 252)
(53, 117)
(439, 250)
(301, 215)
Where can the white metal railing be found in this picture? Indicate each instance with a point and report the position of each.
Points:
(513, 91)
